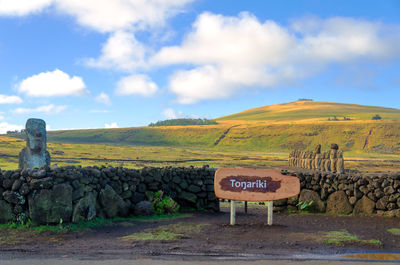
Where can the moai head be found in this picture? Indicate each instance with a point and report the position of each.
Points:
(334, 146)
(35, 130)
(318, 149)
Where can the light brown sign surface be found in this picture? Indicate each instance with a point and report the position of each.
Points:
(246, 184)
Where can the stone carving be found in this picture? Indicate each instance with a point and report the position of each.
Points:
(330, 161)
(318, 157)
(34, 155)
(340, 163)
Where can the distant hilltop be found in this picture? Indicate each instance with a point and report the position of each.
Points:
(307, 110)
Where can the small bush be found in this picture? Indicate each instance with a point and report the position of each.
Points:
(377, 117)
(163, 204)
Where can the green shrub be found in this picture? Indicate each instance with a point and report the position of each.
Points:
(162, 204)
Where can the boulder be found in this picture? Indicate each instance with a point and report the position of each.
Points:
(364, 205)
(6, 212)
(85, 208)
(310, 195)
(13, 197)
(382, 203)
(187, 196)
(113, 204)
(50, 206)
(338, 203)
(144, 208)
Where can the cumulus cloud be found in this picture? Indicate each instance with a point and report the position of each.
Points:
(22, 7)
(4, 127)
(102, 15)
(136, 85)
(231, 54)
(109, 16)
(121, 51)
(103, 98)
(171, 114)
(48, 109)
(4, 99)
(49, 84)
(111, 125)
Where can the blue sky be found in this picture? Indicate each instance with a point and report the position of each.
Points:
(124, 63)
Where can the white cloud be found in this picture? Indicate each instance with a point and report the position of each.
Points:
(49, 84)
(4, 99)
(48, 109)
(2, 117)
(22, 7)
(103, 98)
(4, 127)
(109, 16)
(121, 51)
(232, 54)
(136, 85)
(102, 15)
(112, 125)
(171, 114)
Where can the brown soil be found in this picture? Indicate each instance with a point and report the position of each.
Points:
(292, 235)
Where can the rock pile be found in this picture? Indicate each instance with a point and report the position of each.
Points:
(72, 194)
(345, 194)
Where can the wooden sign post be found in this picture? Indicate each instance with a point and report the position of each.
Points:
(244, 184)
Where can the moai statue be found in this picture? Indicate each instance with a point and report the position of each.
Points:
(299, 157)
(34, 155)
(309, 160)
(340, 163)
(291, 156)
(318, 157)
(327, 165)
(303, 161)
(333, 156)
(313, 161)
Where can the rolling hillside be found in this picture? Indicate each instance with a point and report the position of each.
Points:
(310, 111)
(273, 128)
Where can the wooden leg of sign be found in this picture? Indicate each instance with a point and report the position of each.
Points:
(270, 212)
(233, 212)
(245, 206)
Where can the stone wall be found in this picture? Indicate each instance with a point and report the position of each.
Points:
(346, 194)
(74, 194)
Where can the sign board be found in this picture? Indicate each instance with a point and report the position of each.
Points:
(247, 184)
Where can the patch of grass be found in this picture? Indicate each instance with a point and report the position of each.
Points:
(394, 231)
(166, 232)
(343, 237)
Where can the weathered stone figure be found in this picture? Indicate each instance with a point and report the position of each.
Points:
(340, 163)
(313, 161)
(318, 157)
(333, 156)
(34, 155)
(327, 166)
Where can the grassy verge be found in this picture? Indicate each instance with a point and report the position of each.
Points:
(165, 233)
(394, 231)
(343, 237)
(87, 225)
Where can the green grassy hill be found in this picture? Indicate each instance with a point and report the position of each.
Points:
(303, 110)
(273, 128)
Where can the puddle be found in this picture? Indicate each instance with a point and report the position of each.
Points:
(374, 256)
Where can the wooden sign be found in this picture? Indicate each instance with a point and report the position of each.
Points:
(246, 184)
